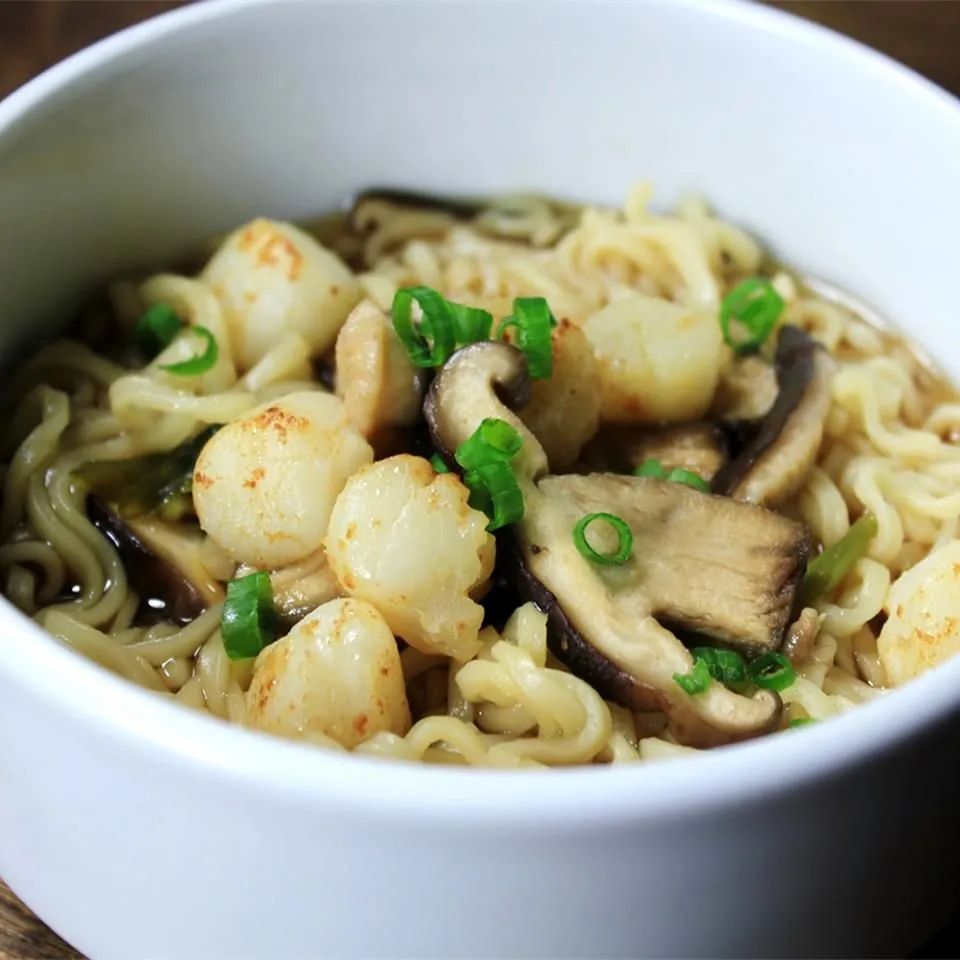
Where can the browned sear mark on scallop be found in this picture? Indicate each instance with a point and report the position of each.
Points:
(255, 477)
(201, 479)
(276, 419)
(360, 723)
(279, 251)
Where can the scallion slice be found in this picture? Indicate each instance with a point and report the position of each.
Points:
(443, 325)
(753, 305)
(431, 342)
(725, 666)
(248, 622)
(772, 671)
(534, 324)
(827, 571)
(696, 681)
(470, 323)
(202, 362)
(156, 327)
(689, 479)
(624, 539)
(654, 468)
(651, 467)
(494, 490)
(494, 439)
(439, 464)
(485, 457)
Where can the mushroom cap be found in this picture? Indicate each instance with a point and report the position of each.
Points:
(691, 567)
(775, 462)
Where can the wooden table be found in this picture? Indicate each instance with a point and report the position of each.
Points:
(921, 33)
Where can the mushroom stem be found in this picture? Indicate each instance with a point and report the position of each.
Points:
(486, 379)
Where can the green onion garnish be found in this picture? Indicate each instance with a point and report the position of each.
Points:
(494, 439)
(158, 483)
(202, 362)
(470, 323)
(654, 468)
(801, 722)
(651, 467)
(696, 681)
(156, 328)
(494, 490)
(439, 464)
(534, 324)
(485, 456)
(725, 666)
(624, 539)
(756, 306)
(772, 671)
(433, 340)
(827, 571)
(248, 623)
(689, 479)
(443, 325)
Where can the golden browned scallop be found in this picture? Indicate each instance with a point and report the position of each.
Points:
(659, 361)
(564, 409)
(272, 278)
(378, 384)
(403, 538)
(336, 674)
(264, 485)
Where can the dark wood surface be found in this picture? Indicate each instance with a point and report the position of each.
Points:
(924, 34)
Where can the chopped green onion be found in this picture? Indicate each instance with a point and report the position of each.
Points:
(827, 571)
(688, 478)
(534, 324)
(493, 440)
(725, 666)
(624, 539)
(801, 722)
(157, 483)
(772, 671)
(756, 306)
(651, 467)
(696, 681)
(443, 325)
(248, 622)
(431, 342)
(494, 490)
(199, 364)
(471, 323)
(654, 468)
(156, 328)
(485, 456)
(439, 464)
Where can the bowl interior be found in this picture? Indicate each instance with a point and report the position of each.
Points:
(843, 162)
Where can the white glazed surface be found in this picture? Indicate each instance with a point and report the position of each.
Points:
(138, 829)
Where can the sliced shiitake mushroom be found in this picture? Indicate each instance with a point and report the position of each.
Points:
(746, 390)
(162, 560)
(774, 464)
(702, 564)
(603, 620)
(698, 447)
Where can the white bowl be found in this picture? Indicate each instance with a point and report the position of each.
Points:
(139, 829)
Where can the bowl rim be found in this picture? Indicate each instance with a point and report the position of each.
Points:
(117, 711)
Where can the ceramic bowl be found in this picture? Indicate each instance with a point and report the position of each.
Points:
(140, 829)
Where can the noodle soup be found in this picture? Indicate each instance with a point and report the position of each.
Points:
(502, 483)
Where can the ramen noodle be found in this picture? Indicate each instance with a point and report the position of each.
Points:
(679, 498)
